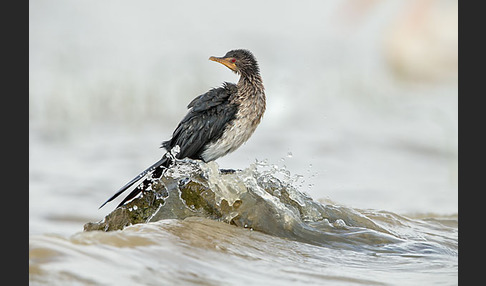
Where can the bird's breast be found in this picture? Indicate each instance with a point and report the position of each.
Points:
(239, 130)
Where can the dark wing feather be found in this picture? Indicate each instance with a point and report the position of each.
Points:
(213, 97)
(205, 122)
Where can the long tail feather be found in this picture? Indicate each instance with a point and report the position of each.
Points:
(161, 164)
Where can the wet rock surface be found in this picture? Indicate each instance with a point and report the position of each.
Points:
(182, 192)
(250, 198)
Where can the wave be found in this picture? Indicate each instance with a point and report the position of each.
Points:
(264, 198)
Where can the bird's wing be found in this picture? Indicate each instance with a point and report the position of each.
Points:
(208, 115)
(205, 122)
(213, 97)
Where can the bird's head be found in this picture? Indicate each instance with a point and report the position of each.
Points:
(241, 62)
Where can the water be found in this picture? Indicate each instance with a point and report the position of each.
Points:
(361, 119)
(276, 235)
(351, 246)
(198, 251)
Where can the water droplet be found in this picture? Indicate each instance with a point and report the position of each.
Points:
(339, 223)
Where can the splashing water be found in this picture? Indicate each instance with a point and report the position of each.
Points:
(264, 197)
(192, 236)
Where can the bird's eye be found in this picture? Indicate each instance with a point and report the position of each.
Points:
(233, 60)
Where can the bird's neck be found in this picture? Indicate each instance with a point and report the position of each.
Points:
(251, 100)
(250, 85)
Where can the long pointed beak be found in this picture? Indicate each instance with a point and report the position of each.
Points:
(225, 61)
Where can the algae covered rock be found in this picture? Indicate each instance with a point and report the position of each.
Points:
(182, 192)
(193, 188)
(245, 198)
(136, 211)
(259, 197)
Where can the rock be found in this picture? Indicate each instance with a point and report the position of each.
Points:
(138, 210)
(182, 192)
(249, 198)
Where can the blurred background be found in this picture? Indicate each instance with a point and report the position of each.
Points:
(361, 97)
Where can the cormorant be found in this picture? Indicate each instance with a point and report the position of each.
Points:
(217, 122)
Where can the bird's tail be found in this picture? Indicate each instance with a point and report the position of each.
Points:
(156, 170)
